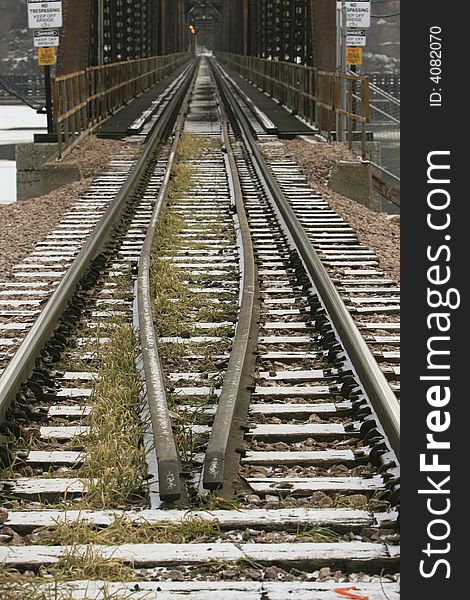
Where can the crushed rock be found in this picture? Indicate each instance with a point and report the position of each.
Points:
(24, 223)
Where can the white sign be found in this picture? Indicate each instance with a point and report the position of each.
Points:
(357, 13)
(46, 38)
(43, 15)
(356, 37)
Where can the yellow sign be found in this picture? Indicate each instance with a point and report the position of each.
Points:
(46, 57)
(354, 56)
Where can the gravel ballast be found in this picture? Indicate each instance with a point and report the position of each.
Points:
(24, 223)
(373, 229)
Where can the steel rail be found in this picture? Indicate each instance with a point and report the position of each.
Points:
(168, 459)
(234, 399)
(22, 365)
(371, 378)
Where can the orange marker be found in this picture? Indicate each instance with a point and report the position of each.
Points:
(346, 592)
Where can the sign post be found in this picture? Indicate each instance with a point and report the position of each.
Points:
(45, 18)
(47, 85)
(46, 58)
(344, 31)
(353, 19)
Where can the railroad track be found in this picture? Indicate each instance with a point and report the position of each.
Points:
(247, 445)
(372, 298)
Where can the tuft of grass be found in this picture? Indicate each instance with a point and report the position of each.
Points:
(172, 299)
(190, 530)
(115, 456)
(16, 586)
(88, 564)
(188, 442)
(317, 534)
(72, 363)
(172, 352)
(213, 501)
(169, 226)
(192, 145)
(242, 567)
(181, 181)
(48, 584)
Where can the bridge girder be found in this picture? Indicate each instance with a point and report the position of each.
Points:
(302, 31)
(104, 31)
(204, 4)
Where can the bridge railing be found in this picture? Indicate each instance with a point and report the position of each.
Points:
(323, 98)
(83, 99)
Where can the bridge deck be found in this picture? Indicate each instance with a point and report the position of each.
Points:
(118, 124)
(287, 124)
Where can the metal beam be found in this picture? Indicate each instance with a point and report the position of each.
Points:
(302, 31)
(280, 30)
(76, 37)
(324, 35)
(246, 16)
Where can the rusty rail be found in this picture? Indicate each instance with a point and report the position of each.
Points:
(82, 100)
(319, 97)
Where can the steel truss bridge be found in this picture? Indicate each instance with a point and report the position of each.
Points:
(106, 31)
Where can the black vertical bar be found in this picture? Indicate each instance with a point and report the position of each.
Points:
(47, 84)
(290, 31)
(435, 301)
(245, 27)
(354, 101)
